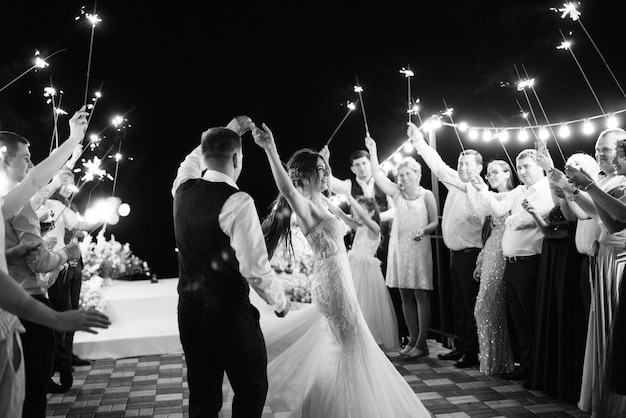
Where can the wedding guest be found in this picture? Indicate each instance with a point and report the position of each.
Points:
(560, 340)
(64, 293)
(521, 248)
(221, 253)
(495, 354)
(410, 263)
(22, 228)
(462, 231)
(600, 381)
(364, 185)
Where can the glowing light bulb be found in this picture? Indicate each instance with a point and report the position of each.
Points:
(588, 127)
(543, 134)
(523, 135)
(612, 122)
(473, 134)
(408, 148)
(397, 157)
(504, 135)
(462, 126)
(124, 209)
(564, 131)
(487, 136)
(435, 122)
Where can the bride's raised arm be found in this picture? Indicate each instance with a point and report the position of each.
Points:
(299, 204)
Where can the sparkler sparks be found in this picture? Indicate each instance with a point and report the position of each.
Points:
(93, 170)
(406, 72)
(569, 10)
(527, 83)
(565, 45)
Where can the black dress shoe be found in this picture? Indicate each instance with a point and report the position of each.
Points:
(66, 378)
(53, 387)
(468, 360)
(452, 355)
(517, 374)
(77, 361)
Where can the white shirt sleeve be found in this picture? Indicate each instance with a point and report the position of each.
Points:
(434, 161)
(191, 168)
(239, 220)
(340, 186)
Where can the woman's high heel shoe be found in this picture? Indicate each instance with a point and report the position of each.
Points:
(407, 348)
(416, 353)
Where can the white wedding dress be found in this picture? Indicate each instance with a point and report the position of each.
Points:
(323, 360)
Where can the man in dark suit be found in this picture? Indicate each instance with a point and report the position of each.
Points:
(221, 251)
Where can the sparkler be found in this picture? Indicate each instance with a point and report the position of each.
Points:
(570, 10)
(358, 89)
(408, 74)
(448, 113)
(39, 63)
(569, 48)
(351, 106)
(93, 19)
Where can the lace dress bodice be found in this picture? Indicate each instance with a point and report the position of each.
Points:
(332, 289)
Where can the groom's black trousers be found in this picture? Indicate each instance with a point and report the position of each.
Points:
(217, 340)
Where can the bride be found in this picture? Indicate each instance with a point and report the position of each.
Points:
(332, 367)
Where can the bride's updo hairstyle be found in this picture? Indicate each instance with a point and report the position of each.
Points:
(277, 225)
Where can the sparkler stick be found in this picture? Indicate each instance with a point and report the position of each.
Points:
(358, 89)
(118, 157)
(521, 86)
(39, 63)
(351, 106)
(571, 10)
(448, 113)
(94, 20)
(556, 141)
(567, 45)
(408, 74)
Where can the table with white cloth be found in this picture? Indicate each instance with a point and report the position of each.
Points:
(143, 321)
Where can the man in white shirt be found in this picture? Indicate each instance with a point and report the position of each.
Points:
(521, 248)
(221, 251)
(461, 231)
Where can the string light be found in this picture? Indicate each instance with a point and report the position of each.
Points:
(564, 131)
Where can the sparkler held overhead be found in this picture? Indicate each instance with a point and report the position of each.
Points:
(408, 74)
(358, 89)
(94, 20)
(351, 106)
(38, 63)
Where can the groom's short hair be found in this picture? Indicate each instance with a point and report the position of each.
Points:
(359, 154)
(10, 141)
(219, 143)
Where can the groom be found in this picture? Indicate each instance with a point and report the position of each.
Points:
(221, 251)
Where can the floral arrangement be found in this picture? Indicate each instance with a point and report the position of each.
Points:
(91, 297)
(295, 270)
(110, 259)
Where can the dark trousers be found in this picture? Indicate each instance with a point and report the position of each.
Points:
(520, 279)
(38, 345)
(464, 292)
(64, 295)
(217, 340)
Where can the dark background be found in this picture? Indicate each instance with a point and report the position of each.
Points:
(177, 68)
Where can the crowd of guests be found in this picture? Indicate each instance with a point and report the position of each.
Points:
(536, 270)
(39, 274)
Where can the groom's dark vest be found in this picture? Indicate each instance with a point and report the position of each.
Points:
(208, 267)
(379, 196)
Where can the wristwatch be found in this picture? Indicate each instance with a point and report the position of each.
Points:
(572, 196)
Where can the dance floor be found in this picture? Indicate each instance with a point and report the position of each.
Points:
(139, 370)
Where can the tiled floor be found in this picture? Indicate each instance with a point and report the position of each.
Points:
(155, 386)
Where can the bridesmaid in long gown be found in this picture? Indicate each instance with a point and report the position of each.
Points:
(495, 353)
(334, 369)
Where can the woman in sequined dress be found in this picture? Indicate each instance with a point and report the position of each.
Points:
(409, 261)
(495, 354)
(335, 368)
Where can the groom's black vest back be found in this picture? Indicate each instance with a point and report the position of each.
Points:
(208, 267)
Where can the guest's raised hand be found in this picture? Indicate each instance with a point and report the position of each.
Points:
(78, 123)
(370, 144)
(558, 178)
(263, 137)
(325, 153)
(477, 181)
(578, 177)
(544, 160)
(240, 124)
(528, 207)
(74, 320)
(413, 132)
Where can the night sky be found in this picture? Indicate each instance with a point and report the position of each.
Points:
(175, 70)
